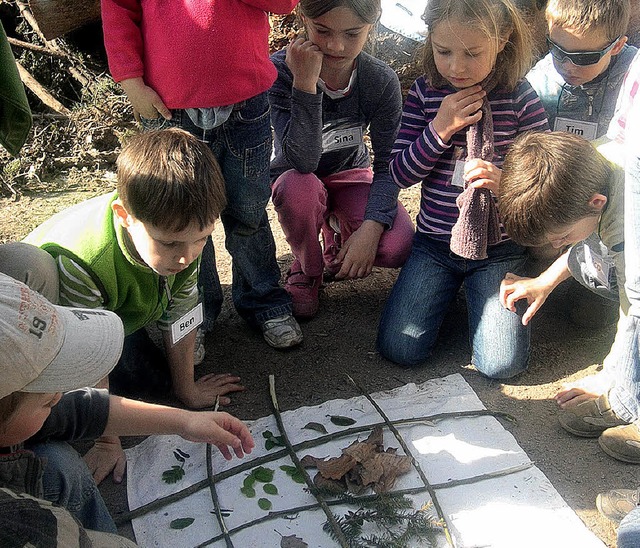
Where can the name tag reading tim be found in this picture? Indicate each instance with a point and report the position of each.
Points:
(185, 325)
(586, 130)
(341, 138)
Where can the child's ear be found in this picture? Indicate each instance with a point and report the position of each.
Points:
(597, 202)
(619, 45)
(121, 214)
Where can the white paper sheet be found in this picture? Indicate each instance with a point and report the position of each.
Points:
(517, 510)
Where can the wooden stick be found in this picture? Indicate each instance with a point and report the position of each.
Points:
(214, 496)
(41, 93)
(53, 45)
(33, 47)
(335, 526)
(416, 464)
(309, 444)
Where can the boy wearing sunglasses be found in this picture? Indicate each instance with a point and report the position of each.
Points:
(579, 79)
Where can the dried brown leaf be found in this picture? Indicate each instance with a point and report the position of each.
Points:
(336, 467)
(332, 486)
(360, 451)
(292, 541)
(309, 461)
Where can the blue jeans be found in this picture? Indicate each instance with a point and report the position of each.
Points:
(242, 146)
(625, 394)
(68, 483)
(426, 287)
(629, 530)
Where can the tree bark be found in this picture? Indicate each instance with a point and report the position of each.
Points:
(57, 17)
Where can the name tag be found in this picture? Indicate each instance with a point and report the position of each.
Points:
(185, 325)
(458, 174)
(587, 130)
(597, 266)
(337, 139)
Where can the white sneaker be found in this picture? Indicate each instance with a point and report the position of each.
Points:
(198, 349)
(282, 332)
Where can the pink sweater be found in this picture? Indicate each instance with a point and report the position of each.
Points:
(193, 53)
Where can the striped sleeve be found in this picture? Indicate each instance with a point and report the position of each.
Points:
(418, 147)
(77, 287)
(529, 109)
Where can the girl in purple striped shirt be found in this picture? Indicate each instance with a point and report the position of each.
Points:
(457, 124)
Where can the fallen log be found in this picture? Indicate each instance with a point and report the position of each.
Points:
(57, 17)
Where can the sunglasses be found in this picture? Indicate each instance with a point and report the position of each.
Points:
(579, 58)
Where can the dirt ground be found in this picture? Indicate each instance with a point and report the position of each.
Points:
(341, 339)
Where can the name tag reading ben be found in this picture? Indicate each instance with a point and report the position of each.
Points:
(185, 325)
(587, 130)
(341, 138)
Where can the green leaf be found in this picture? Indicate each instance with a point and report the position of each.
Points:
(288, 469)
(265, 504)
(262, 474)
(315, 426)
(340, 420)
(248, 492)
(181, 523)
(268, 445)
(270, 489)
(178, 456)
(267, 434)
(174, 475)
(298, 477)
(249, 481)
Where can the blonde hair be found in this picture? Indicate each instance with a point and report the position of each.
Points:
(170, 179)
(548, 180)
(610, 16)
(499, 20)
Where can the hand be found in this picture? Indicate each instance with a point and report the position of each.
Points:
(514, 288)
(221, 430)
(481, 174)
(209, 388)
(568, 397)
(457, 111)
(105, 456)
(304, 60)
(145, 100)
(359, 252)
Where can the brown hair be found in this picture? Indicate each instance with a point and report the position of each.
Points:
(499, 20)
(609, 16)
(367, 10)
(170, 179)
(547, 182)
(8, 406)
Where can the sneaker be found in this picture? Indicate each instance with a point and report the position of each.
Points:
(198, 349)
(282, 332)
(622, 443)
(589, 419)
(617, 503)
(303, 290)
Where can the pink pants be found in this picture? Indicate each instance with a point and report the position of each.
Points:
(304, 204)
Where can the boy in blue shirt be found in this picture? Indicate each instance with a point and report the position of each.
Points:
(579, 79)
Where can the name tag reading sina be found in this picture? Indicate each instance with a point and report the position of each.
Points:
(337, 139)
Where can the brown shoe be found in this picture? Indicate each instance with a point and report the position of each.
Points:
(589, 419)
(617, 503)
(622, 442)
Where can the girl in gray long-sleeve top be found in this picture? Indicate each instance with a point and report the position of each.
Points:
(328, 93)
